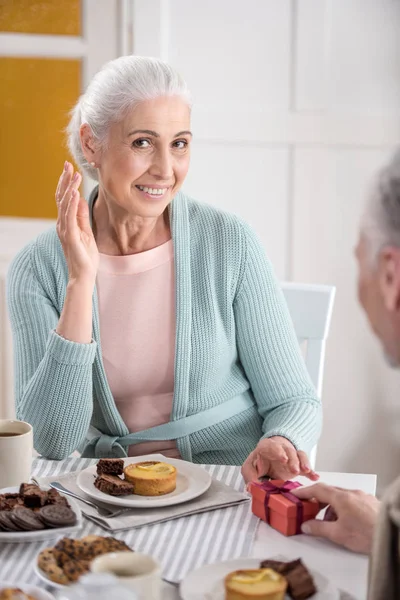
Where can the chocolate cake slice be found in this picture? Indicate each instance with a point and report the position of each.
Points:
(110, 466)
(113, 485)
(300, 583)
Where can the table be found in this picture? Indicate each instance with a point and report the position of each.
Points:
(346, 569)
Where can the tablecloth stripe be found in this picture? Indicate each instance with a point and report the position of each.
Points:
(180, 545)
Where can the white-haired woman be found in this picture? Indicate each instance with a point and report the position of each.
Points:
(148, 321)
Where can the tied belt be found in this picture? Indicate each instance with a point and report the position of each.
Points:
(100, 444)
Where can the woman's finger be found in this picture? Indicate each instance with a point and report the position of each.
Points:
(64, 181)
(293, 459)
(71, 212)
(82, 217)
(305, 466)
(249, 470)
(63, 204)
(71, 201)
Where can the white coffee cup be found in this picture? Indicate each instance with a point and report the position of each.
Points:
(16, 449)
(138, 572)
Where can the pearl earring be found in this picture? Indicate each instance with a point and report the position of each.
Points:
(93, 164)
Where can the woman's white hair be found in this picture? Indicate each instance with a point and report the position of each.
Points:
(118, 87)
(380, 223)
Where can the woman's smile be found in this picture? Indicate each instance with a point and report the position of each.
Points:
(152, 191)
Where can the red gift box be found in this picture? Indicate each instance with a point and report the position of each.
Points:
(273, 502)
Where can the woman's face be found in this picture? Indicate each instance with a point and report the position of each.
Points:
(147, 156)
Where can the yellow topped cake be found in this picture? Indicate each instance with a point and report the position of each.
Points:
(253, 584)
(151, 478)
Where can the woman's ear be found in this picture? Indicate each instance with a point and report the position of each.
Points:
(89, 147)
(389, 278)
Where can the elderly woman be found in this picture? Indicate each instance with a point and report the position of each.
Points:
(147, 321)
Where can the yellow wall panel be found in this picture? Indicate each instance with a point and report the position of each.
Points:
(57, 17)
(36, 96)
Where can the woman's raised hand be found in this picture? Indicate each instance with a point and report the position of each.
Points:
(74, 230)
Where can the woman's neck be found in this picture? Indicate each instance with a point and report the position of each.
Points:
(118, 233)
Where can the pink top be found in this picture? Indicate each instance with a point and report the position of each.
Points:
(137, 326)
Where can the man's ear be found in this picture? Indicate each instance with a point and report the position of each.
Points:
(389, 277)
(88, 144)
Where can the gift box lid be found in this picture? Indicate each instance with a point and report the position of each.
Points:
(279, 503)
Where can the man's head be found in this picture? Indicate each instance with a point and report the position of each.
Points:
(378, 256)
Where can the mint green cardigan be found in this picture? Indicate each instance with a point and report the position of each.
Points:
(239, 373)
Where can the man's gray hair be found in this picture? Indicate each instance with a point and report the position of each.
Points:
(381, 220)
(118, 87)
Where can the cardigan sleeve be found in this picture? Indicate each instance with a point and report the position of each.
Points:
(270, 353)
(53, 376)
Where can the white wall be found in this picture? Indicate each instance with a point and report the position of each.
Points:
(297, 103)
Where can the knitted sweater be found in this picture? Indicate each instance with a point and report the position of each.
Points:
(234, 338)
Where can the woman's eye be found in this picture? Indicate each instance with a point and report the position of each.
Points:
(181, 144)
(141, 143)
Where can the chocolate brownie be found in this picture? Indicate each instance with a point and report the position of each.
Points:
(9, 501)
(32, 495)
(110, 466)
(300, 582)
(54, 497)
(113, 485)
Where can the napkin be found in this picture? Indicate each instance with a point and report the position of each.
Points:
(218, 495)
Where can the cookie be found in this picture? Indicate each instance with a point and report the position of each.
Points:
(65, 550)
(74, 569)
(114, 545)
(48, 564)
(25, 519)
(54, 515)
(96, 548)
(14, 594)
(45, 558)
(85, 548)
(6, 523)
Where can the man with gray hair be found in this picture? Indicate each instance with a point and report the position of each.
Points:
(352, 516)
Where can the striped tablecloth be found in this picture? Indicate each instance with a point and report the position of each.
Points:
(180, 545)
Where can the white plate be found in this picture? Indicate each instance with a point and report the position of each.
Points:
(42, 575)
(207, 582)
(32, 590)
(192, 481)
(43, 534)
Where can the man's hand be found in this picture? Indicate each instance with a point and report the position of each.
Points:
(349, 520)
(278, 458)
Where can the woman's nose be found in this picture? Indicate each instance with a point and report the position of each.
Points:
(162, 166)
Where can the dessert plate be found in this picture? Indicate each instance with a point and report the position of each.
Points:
(207, 582)
(42, 534)
(32, 590)
(191, 481)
